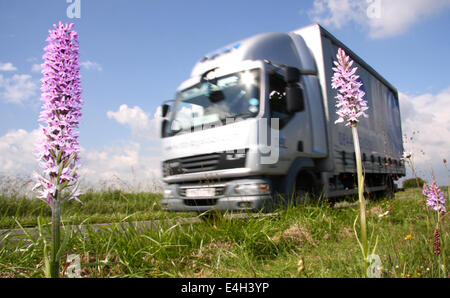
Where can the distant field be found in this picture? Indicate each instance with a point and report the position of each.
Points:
(321, 236)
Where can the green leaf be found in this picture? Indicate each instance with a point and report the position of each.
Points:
(46, 259)
(64, 243)
(357, 239)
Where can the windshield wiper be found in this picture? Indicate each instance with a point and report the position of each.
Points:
(236, 116)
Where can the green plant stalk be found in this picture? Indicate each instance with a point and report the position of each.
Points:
(418, 186)
(442, 257)
(362, 201)
(56, 236)
(414, 171)
(444, 254)
(448, 178)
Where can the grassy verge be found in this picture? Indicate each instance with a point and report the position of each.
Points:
(96, 207)
(321, 236)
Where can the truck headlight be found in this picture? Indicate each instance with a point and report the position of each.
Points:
(252, 189)
(168, 193)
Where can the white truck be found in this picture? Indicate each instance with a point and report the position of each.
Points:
(255, 124)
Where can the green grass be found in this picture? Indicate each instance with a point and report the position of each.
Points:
(96, 207)
(268, 246)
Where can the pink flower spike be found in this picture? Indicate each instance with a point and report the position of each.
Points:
(350, 102)
(435, 197)
(58, 149)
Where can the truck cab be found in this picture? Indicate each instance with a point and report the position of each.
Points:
(249, 128)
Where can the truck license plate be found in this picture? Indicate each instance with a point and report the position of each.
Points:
(200, 192)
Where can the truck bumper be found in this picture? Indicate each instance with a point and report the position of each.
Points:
(222, 204)
(227, 200)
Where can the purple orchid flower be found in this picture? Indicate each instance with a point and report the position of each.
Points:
(350, 102)
(58, 150)
(435, 197)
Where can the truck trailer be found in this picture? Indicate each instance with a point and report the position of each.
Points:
(254, 126)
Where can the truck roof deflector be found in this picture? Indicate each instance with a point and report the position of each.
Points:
(203, 76)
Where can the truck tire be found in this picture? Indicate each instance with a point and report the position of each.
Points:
(390, 188)
(389, 192)
(302, 188)
(306, 186)
(297, 181)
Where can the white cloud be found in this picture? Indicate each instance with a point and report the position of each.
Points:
(90, 65)
(382, 18)
(336, 13)
(128, 166)
(140, 123)
(17, 89)
(136, 162)
(17, 162)
(131, 165)
(398, 16)
(425, 119)
(36, 67)
(16, 151)
(8, 66)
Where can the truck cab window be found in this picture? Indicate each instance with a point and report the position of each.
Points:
(277, 99)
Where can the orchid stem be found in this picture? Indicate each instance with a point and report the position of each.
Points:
(56, 236)
(362, 201)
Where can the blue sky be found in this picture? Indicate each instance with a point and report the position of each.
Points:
(134, 54)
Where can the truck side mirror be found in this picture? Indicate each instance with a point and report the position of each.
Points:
(294, 99)
(294, 95)
(216, 96)
(164, 124)
(291, 75)
(164, 110)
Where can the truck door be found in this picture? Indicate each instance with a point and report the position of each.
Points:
(295, 129)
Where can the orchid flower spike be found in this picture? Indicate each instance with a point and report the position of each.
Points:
(350, 103)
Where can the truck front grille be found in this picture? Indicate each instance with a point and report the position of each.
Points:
(205, 162)
(199, 163)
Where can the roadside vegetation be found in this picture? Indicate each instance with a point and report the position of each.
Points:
(310, 240)
(96, 207)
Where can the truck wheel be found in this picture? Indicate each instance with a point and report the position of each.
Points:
(305, 188)
(300, 197)
(390, 188)
(389, 192)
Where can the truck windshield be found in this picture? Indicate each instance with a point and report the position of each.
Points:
(215, 102)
